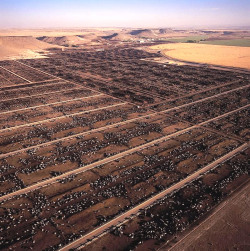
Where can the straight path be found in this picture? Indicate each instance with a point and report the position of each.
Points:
(15, 74)
(49, 104)
(77, 84)
(121, 218)
(194, 102)
(29, 85)
(203, 227)
(36, 69)
(97, 163)
(90, 166)
(109, 127)
(190, 178)
(42, 94)
(64, 116)
(198, 92)
(224, 115)
(55, 78)
(207, 98)
(168, 110)
(6, 79)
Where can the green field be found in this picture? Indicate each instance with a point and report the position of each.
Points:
(186, 39)
(231, 42)
(199, 39)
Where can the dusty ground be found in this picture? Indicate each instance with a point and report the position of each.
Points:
(208, 54)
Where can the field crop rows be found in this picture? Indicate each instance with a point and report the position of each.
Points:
(74, 155)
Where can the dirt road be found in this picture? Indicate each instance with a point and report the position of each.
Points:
(113, 126)
(119, 219)
(28, 85)
(226, 219)
(64, 116)
(201, 91)
(15, 74)
(204, 99)
(97, 163)
(44, 94)
(55, 103)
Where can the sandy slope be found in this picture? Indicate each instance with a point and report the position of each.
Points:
(21, 47)
(210, 54)
(64, 40)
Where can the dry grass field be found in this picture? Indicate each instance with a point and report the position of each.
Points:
(208, 54)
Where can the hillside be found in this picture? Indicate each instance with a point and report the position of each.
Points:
(21, 47)
(110, 36)
(64, 40)
(142, 33)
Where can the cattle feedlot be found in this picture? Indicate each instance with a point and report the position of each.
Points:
(110, 150)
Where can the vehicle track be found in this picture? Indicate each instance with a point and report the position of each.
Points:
(115, 125)
(29, 85)
(64, 116)
(49, 104)
(150, 201)
(42, 94)
(15, 74)
(6, 79)
(36, 69)
(168, 110)
(153, 111)
(202, 226)
(174, 108)
(198, 92)
(97, 163)
(110, 126)
(80, 85)
(207, 98)
(121, 218)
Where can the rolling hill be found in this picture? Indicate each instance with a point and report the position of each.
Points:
(21, 46)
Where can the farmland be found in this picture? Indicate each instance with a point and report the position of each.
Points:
(229, 42)
(187, 39)
(230, 56)
(102, 148)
